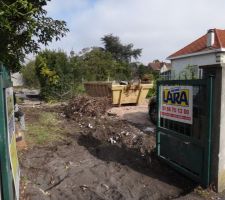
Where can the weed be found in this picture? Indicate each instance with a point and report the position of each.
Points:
(44, 130)
(24, 179)
(19, 100)
(202, 192)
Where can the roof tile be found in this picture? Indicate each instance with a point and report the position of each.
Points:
(201, 44)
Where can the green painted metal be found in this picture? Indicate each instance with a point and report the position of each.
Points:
(188, 151)
(158, 121)
(6, 174)
(180, 136)
(194, 82)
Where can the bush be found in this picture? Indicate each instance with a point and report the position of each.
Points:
(55, 75)
(152, 91)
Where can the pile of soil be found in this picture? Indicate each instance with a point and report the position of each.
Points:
(88, 106)
(90, 115)
(111, 130)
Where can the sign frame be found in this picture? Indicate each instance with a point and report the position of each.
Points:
(176, 103)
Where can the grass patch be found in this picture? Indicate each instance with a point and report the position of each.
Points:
(44, 130)
(19, 100)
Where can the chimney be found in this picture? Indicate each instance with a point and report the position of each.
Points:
(210, 37)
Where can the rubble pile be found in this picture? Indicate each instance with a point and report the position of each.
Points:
(112, 130)
(90, 115)
(87, 106)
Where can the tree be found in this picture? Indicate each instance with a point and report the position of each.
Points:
(24, 26)
(61, 76)
(54, 73)
(143, 71)
(120, 52)
(99, 65)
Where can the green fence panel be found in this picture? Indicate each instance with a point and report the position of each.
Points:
(7, 181)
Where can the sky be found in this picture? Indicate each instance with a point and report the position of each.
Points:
(158, 27)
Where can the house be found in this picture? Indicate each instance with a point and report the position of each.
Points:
(165, 71)
(155, 65)
(160, 67)
(163, 68)
(207, 50)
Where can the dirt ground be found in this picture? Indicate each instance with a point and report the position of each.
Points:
(134, 114)
(110, 157)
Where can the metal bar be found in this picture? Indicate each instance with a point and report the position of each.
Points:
(158, 119)
(183, 82)
(180, 136)
(181, 169)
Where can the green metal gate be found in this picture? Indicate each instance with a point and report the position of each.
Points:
(9, 188)
(184, 126)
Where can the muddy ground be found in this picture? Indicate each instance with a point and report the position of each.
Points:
(100, 158)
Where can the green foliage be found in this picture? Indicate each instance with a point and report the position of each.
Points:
(190, 72)
(19, 100)
(147, 74)
(54, 73)
(152, 91)
(61, 76)
(79, 89)
(99, 65)
(29, 75)
(143, 71)
(24, 26)
(120, 52)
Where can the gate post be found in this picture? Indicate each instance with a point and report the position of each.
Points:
(207, 172)
(221, 139)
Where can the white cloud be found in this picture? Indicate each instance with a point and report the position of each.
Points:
(159, 27)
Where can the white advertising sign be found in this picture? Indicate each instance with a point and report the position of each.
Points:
(177, 103)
